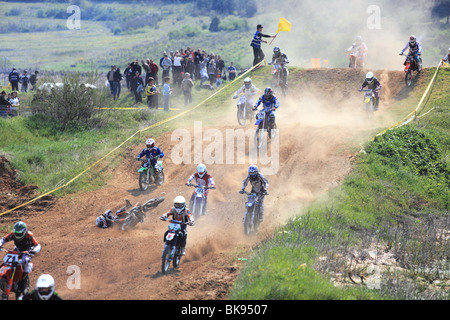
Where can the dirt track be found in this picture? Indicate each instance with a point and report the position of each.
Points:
(319, 130)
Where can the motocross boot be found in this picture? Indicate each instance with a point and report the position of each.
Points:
(183, 251)
(25, 283)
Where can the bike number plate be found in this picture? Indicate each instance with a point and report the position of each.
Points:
(170, 236)
(367, 100)
(11, 258)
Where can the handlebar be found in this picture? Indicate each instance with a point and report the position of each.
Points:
(197, 186)
(174, 221)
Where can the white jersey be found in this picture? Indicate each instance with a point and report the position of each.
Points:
(248, 93)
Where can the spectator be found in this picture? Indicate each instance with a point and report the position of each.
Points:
(33, 80)
(154, 71)
(128, 73)
(152, 94)
(177, 68)
(137, 87)
(110, 77)
(15, 103)
(166, 64)
(211, 69)
(186, 86)
(146, 66)
(198, 57)
(5, 105)
(24, 80)
(117, 86)
(220, 66)
(14, 79)
(218, 80)
(231, 71)
(136, 67)
(167, 92)
(189, 66)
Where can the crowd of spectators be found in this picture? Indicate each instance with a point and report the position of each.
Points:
(184, 68)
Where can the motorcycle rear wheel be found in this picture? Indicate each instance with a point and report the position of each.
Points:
(159, 178)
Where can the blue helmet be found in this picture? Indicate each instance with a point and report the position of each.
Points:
(268, 93)
(253, 171)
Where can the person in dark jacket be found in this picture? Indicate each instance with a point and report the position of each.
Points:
(256, 44)
(137, 86)
(5, 105)
(14, 79)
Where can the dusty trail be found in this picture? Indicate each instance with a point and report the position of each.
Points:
(318, 134)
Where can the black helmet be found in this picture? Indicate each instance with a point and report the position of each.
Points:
(268, 93)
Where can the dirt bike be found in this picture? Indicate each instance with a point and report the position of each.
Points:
(411, 66)
(131, 218)
(172, 249)
(198, 204)
(356, 60)
(251, 217)
(278, 80)
(11, 273)
(263, 124)
(369, 102)
(244, 111)
(147, 170)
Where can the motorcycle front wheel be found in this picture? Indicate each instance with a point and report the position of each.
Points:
(408, 78)
(165, 262)
(177, 258)
(143, 181)
(259, 138)
(241, 116)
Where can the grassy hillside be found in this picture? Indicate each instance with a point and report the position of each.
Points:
(382, 234)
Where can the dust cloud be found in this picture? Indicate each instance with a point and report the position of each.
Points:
(326, 29)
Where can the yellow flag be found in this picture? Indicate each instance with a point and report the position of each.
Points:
(284, 25)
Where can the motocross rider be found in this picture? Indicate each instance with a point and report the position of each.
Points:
(281, 59)
(259, 185)
(372, 83)
(25, 243)
(151, 152)
(270, 104)
(360, 47)
(201, 178)
(107, 219)
(415, 50)
(248, 89)
(179, 212)
(44, 290)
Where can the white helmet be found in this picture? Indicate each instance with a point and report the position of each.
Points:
(100, 222)
(248, 82)
(412, 40)
(179, 204)
(150, 143)
(201, 170)
(45, 286)
(369, 77)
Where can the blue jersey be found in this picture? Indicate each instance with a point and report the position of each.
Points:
(153, 154)
(268, 104)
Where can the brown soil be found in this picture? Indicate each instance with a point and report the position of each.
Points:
(321, 126)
